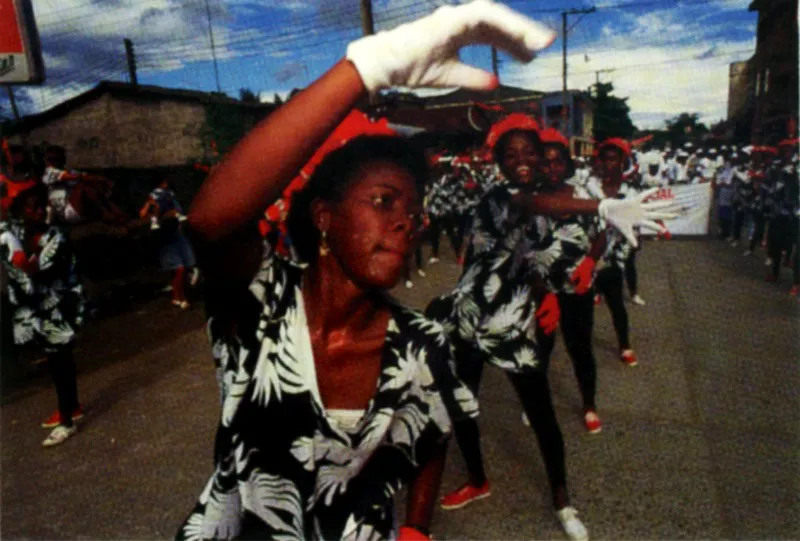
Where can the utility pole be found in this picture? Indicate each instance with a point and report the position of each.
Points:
(564, 33)
(13, 102)
(131, 59)
(213, 47)
(495, 63)
(367, 23)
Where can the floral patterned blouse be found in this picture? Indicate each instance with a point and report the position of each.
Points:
(50, 305)
(284, 468)
(493, 306)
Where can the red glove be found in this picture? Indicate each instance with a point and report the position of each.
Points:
(408, 533)
(582, 277)
(549, 313)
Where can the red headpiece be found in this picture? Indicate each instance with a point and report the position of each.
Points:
(619, 143)
(514, 121)
(551, 136)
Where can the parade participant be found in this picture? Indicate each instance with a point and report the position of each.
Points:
(783, 203)
(724, 186)
(502, 298)
(176, 253)
(575, 298)
(609, 282)
(314, 338)
(758, 210)
(743, 197)
(75, 197)
(49, 304)
(17, 175)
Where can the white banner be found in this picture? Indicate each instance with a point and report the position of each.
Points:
(693, 201)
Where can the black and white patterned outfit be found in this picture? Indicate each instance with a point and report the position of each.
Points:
(490, 317)
(610, 277)
(285, 469)
(49, 307)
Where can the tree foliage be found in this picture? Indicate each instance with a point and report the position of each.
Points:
(611, 114)
(685, 127)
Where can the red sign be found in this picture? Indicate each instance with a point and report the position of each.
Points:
(20, 54)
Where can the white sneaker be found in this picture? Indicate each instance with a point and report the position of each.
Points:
(735, 243)
(525, 419)
(194, 277)
(573, 527)
(747, 253)
(409, 284)
(421, 273)
(433, 260)
(637, 299)
(182, 218)
(59, 435)
(154, 224)
(768, 262)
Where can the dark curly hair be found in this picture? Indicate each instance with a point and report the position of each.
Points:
(38, 191)
(333, 176)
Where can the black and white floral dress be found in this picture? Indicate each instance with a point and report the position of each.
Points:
(50, 306)
(492, 307)
(285, 469)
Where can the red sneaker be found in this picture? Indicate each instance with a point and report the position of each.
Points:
(592, 422)
(55, 419)
(598, 299)
(793, 291)
(629, 357)
(465, 495)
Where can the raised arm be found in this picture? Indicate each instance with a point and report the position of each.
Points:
(257, 170)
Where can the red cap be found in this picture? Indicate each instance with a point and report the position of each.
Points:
(765, 148)
(355, 124)
(551, 136)
(514, 121)
(789, 142)
(617, 142)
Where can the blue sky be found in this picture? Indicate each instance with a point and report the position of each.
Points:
(668, 56)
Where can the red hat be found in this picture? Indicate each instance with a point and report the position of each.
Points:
(789, 142)
(514, 121)
(617, 142)
(766, 149)
(551, 136)
(355, 124)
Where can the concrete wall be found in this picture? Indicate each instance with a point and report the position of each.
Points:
(117, 132)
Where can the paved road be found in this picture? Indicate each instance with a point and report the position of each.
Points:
(700, 441)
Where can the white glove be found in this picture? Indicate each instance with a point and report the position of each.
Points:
(625, 214)
(424, 53)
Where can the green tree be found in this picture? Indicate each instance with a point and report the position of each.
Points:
(685, 127)
(248, 96)
(611, 114)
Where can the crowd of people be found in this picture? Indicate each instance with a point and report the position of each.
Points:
(334, 395)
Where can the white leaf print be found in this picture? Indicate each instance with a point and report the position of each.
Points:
(26, 325)
(376, 429)
(57, 332)
(278, 369)
(501, 258)
(234, 385)
(265, 494)
(222, 518)
(407, 425)
(406, 369)
(525, 357)
(333, 479)
(491, 287)
(303, 450)
(467, 401)
(51, 243)
(508, 315)
(353, 531)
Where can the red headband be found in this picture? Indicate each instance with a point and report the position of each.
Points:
(617, 142)
(514, 121)
(551, 136)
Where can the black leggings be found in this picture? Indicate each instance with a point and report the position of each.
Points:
(631, 276)
(451, 226)
(418, 259)
(533, 391)
(781, 237)
(577, 320)
(759, 224)
(62, 367)
(738, 222)
(609, 283)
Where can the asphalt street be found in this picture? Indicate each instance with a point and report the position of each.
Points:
(700, 441)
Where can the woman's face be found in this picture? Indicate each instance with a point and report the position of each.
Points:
(611, 162)
(373, 229)
(519, 158)
(33, 211)
(554, 166)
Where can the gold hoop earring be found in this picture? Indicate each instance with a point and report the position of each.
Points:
(323, 245)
